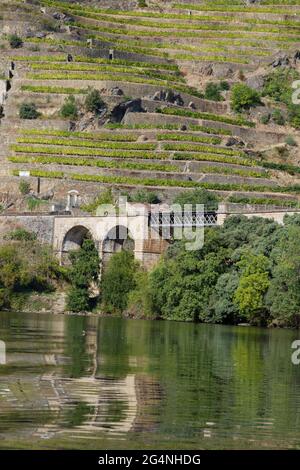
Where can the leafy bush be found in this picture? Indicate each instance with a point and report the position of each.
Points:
(15, 41)
(197, 196)
(85, 269)
(117, 281)
(213, 92)
(244, 97)
(146, 197)
(290, 141)
(278, 117)
(24, 187)
(20, 234)
(93, 102)
(25, 266)
(28, 111)
(105, 197)
(265, 118)
(69, 109)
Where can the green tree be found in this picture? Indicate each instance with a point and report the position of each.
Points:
(84, 271)
(69, 108)
(244, 97)
(28, 111)
(93, 102)
(283, 296)
(253, 284)
(15, 41)
(118, 279)
(213, 92)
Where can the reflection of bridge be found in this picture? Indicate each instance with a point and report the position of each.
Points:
(146, 232)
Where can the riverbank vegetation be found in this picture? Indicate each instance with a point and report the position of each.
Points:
(26, 266)
(246, 272)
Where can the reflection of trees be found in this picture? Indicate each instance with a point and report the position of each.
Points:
(107, 376)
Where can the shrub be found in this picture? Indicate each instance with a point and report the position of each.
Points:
(117, 281)
(143, 196)
(212, 92)
(20, 234)
(85, 270)
(197, 196)
(291, 141)
(15, 41)
(93, 102)
(224, 86)
(78, 300)
(24, 187)
(278, 117)
(28, 111)
(244, 97)
(265, 118)
(33, 203)
(69, 109)
(105, 197)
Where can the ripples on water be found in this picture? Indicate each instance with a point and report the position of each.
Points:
(87, 382)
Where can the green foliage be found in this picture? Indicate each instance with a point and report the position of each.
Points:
(283, 298)
(33, 203)
(15, 41)
(25, 266)
(278, 86)
(117, 281)
(197, 196)
(291, 141)
(24, 187)
(244, 97)
(253, 284)
(84, 271)
(247, 270)
(265, 118)
(93, 102)
(278, 117)
(143, 196)
(69, 109)
(105, 197)
(78, 299)
(213, 92)
(28, 111)
(20, 234)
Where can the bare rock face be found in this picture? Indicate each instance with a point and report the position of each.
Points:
(257, 82)
(222, 71)
(116, 91)
(281, 61)
(233, 141)
(169, 96)
(132, 106)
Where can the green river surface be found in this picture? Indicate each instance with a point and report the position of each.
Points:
(84, 382)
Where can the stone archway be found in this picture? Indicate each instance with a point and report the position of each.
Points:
(117, 239)
(73, 240)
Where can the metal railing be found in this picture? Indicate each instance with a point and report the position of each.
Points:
(182, 219)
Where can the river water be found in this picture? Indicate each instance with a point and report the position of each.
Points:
(73, 382)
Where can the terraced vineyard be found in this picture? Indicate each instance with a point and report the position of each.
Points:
(165, 75)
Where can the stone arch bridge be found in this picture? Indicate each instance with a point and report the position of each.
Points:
(147, 233)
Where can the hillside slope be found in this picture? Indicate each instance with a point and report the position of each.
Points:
(167, 73)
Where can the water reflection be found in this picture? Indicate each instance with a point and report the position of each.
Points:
(77, 380)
